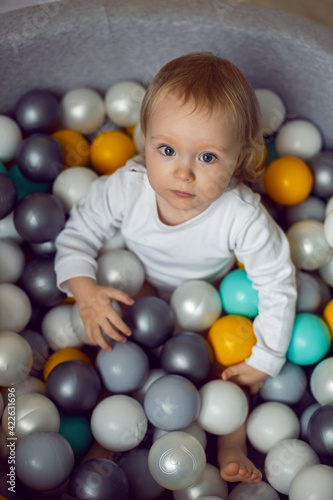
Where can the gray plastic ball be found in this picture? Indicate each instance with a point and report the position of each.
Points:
(8, 195)
(45, 248)
(288, 387)
(176, 460)
(40, 158)
(172, 402)
(321, 381)
(210, 484)
(44, 460)
(12, 261)
(142, 486)
(15, 308)
(253, 491)
(308, 293)
(322, 169)
(124, 369)
(196, 305)
(310, 209)
(15, 358)
(40, 349)
(187, 354)
(33, 412)
(121, 269)
(326, 272)
(153, 375)
(38, 111)
(320, 430)
(305, 417)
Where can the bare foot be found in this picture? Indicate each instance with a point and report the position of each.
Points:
(235, 466)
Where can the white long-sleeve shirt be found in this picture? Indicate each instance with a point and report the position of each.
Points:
(203, 247)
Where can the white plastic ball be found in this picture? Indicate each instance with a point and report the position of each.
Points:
(321, 382)
(326, 272)
(209, 485)
(29, 384)
(272, 110)
(308, 245)
(194, 429)
(176, 460)
(253, 491)
(123, 102)
(196, 305)
(57, 328)
(15, 308)
(305, 418)
(328, 228)
(116, 242)
(12, 261)
(10, 138)
(8, 229)
(83, 110)
(313, 482)
(269, 423)
(224, 407)
(72, 184)
(329, 206)
(285, 459)
(15, 358)
(119, 423)
(298, 138)
(138, 139)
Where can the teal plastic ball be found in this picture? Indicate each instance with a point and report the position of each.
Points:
(76, 429)
(310, 340)
(238, 295)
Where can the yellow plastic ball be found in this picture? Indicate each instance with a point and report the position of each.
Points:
(111, 150)
(232, 338)
(288, 180)
(66, 354)
(328, 316)
(239, 264)
(75, 147)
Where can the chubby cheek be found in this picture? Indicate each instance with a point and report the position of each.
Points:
(212, 187)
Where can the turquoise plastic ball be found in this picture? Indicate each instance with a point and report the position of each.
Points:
(310, 340)
(26, 186)
(76, 429)
(238, 295)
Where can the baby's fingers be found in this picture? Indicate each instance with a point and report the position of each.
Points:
(95, 335)
(111, 331)
(120, 296)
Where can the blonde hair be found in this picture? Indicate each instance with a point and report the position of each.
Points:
(213, 82)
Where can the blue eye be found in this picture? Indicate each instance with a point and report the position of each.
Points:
(167, 151)
(207, 158)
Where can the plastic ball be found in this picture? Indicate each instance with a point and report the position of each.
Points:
(123, 102)
(288, 387)
(74, 387)
(310, 340)
(309, 294)
(172, 402)
(27, 386)
(288, 180)
(33, 412)
(187, 354)
(39, 281)
(72, 184)
(38, 111)
(326, 272)
(116, 242)
(210, 485)
(15, 358)
(40, 349)
(15, 308)
(12, 259)
(224, 407)
(142, 486)
(111, 150)
(67, 354)
(119, 423)
(285, 459)
(153, 374)
(98, 479)
(310, 209)
(121, 269)
(253, 491)
(8, 195)
(313, 481)
(298, 138)
(270, 423)
(320, 430)
(151, 320)
(25, 186)
(308, 245)
(322, 169)
(272, 111)
(196, 305)
(305, 418)
(83, 110)
(124, 369)
(40, 158)
(238, 295)
(328, 228)
(74, 146)
(176, 460)
(43, 249)
(57, 328)
(138, 139)
(232, 338)
(11, 137)
(328, 315)
(76, 429)
(44, 460)
(8, 229)
(39, 217)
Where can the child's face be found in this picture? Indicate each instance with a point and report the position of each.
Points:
(190, 158)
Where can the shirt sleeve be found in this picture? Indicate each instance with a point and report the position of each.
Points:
(263, 248)
(92, 220)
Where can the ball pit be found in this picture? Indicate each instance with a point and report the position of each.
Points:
(273, 64)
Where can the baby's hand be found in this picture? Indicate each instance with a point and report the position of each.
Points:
(244, 374)
(97, 313)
